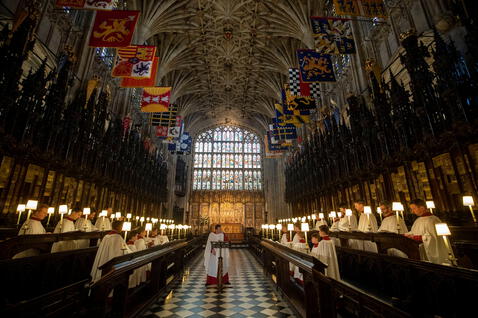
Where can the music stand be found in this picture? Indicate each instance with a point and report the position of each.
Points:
(219, 245)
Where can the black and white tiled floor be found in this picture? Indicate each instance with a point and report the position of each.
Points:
(250, 293)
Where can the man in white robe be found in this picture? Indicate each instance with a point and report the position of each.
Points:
(423, 230)
(325, 252)
(140, 245)
(367, 223)
(84, 224)
(285, 236)
(103, 222)
(211, 256)
(112, 245)
(33, 226)
(391, 224)
(66, 225)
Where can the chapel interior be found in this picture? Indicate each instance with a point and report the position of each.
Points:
(335, 142)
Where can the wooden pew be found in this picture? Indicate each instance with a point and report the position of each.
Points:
(384, 241)
(66, 290)
(320, 297)
(166, 263)
(43, 242)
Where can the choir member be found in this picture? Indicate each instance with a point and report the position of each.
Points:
(299, 246)
(367, 223)
(342, 223)
(33, 226)
(66, 225)
(140, 245)
(391, 224)
(112, 245)
(211, 256)
(85, 224)
(325, 252)
(285, 236)
(296, 237)
(423, 230)
(103, 223)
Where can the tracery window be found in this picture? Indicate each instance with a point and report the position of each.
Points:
(227, 158)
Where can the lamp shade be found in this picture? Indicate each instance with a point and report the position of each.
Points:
(21, 207)
(304, 227)
(367, 209)
(104, 213)
(442, 229)
(272, 226)
(32, 205)
(118, 215)
(163, 227)
(290, 227)
(171, 226)
(148, 227)
(430, 204)
(339, 214)
(51, 210)
(379, 211)
(321, 215)
(279, 227)
(126, 226)
(141, 219)
(86, 211)
(348, 212)
(63, 209)
(303, 219)
(129, 215)
(467, 201)
(397, 206)
(314, 217)
(112, 216)
(333, 214)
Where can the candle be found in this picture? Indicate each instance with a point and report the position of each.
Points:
(62, 209)
(379, 211)
(443, 231)
(20, 208)
(368, 210)
(128, 216)
(468, 201)
(431, 206)
(51, 210)
(148, 228)
(305, 228)
(126, 228)
(271, 228)
(279, 228)
(290, 228)
(348, 213)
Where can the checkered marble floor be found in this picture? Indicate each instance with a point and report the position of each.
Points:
(249, 295)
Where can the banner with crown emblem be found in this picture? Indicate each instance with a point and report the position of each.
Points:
(134, 61)
(142, 81)
(155, 99)
(87, 4)
(332, 35)
(315, 67)
(113, 28)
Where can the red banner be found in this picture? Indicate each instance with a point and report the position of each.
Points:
(142, 82)
(155, 99)
(134, 61)
(113, 28)
(86, 4)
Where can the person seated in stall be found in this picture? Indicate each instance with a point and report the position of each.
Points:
(152, 239)
(67, 225)
(391, 224)
(299, 246)
(135, 277)
(103, 223)
(365, 224)
(296, 237)
(33, 226)
(85, 225)
(285, 236)
(140, 244)
(432, 247)
(112, 245)
(325, 252)
(342, 223)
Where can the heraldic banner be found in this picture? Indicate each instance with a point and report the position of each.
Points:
(315, 67)
(155, 99)
(142, 81)
(113, 28)
(134, 61)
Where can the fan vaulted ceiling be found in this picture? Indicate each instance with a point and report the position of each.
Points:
(226, 59)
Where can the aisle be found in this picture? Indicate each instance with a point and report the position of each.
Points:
(251, 294)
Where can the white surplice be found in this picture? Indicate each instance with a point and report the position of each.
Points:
(284, 239)
(84, 225)
(140, 245)
(111, 246)
(433, 248)
(363, 226)
(389, 224)
(67, 226)
(103, 223)
(30, 227)
(211, 260)
(135, 277)
(325, 252)
(319, 223)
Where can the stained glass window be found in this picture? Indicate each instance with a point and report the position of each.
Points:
(227, 158)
